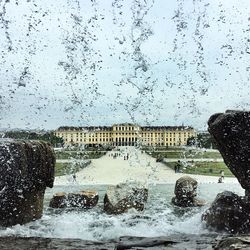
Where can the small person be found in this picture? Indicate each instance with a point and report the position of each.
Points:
(222, 175)
(220, 180)
(178, 167)
(175, 168)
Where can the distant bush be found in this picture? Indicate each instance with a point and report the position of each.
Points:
(203, 140)
(26, 135)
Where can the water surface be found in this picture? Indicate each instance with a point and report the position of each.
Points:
(160, 217)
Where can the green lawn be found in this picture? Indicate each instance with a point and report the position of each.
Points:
(162, 148)
(79, 154)
(73, 167)
(203, 168)
(68, 168)
(192, 154)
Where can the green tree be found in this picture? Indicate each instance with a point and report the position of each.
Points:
(203, 140)
(27, 135)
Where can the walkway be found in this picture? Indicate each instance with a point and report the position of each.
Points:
(139, 167)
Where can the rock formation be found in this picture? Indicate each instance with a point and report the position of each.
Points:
(177, 242)
(59, 200)
(26, 169)
(122, 197)
(233, 242)
(186, 192)
(231, 131)
(229, 212)
(83, 199)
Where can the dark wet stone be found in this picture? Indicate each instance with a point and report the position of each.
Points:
(83, 199)
(125, 196)
(59, 200)
(233, 243)
(186, 192)
(131, 242)
(34, 243)
(179, 242)
(26, 169)
(229, 212)
(231, 131)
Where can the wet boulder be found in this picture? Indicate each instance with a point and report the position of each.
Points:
(231, 131)
(229, 212)
(186, 192)
(82, 199)
(26, 169)
(125, 196)
(233, 242)
(59, 200)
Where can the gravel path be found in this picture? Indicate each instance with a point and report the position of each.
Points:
(139, 167)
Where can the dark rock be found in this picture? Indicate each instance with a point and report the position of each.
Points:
(83, 199)
(229, 212)
(125, 196)
(231, 243)
(175, 241)
(59, 200)
(231, 131)
(186, 192)
(178, 242)
(131, 242)
(34, 243)
(26, 169)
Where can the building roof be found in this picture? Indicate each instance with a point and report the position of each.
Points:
(90, 128)
(166, 127)
(125, 124)
(109, 128)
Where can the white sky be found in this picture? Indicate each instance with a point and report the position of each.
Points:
(213, 39)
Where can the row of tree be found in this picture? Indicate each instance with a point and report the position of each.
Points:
(203, 140)
(28, 135)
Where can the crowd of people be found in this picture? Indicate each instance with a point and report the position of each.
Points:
(114, 155)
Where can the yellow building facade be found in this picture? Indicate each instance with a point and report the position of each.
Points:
(126, 135)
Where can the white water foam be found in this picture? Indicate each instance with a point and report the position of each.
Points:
(160, 218)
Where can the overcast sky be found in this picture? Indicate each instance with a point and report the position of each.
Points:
(85, 62)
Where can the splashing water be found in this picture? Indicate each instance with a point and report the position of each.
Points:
(160, 217)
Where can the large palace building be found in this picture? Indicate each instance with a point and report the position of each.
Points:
(126, 135)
